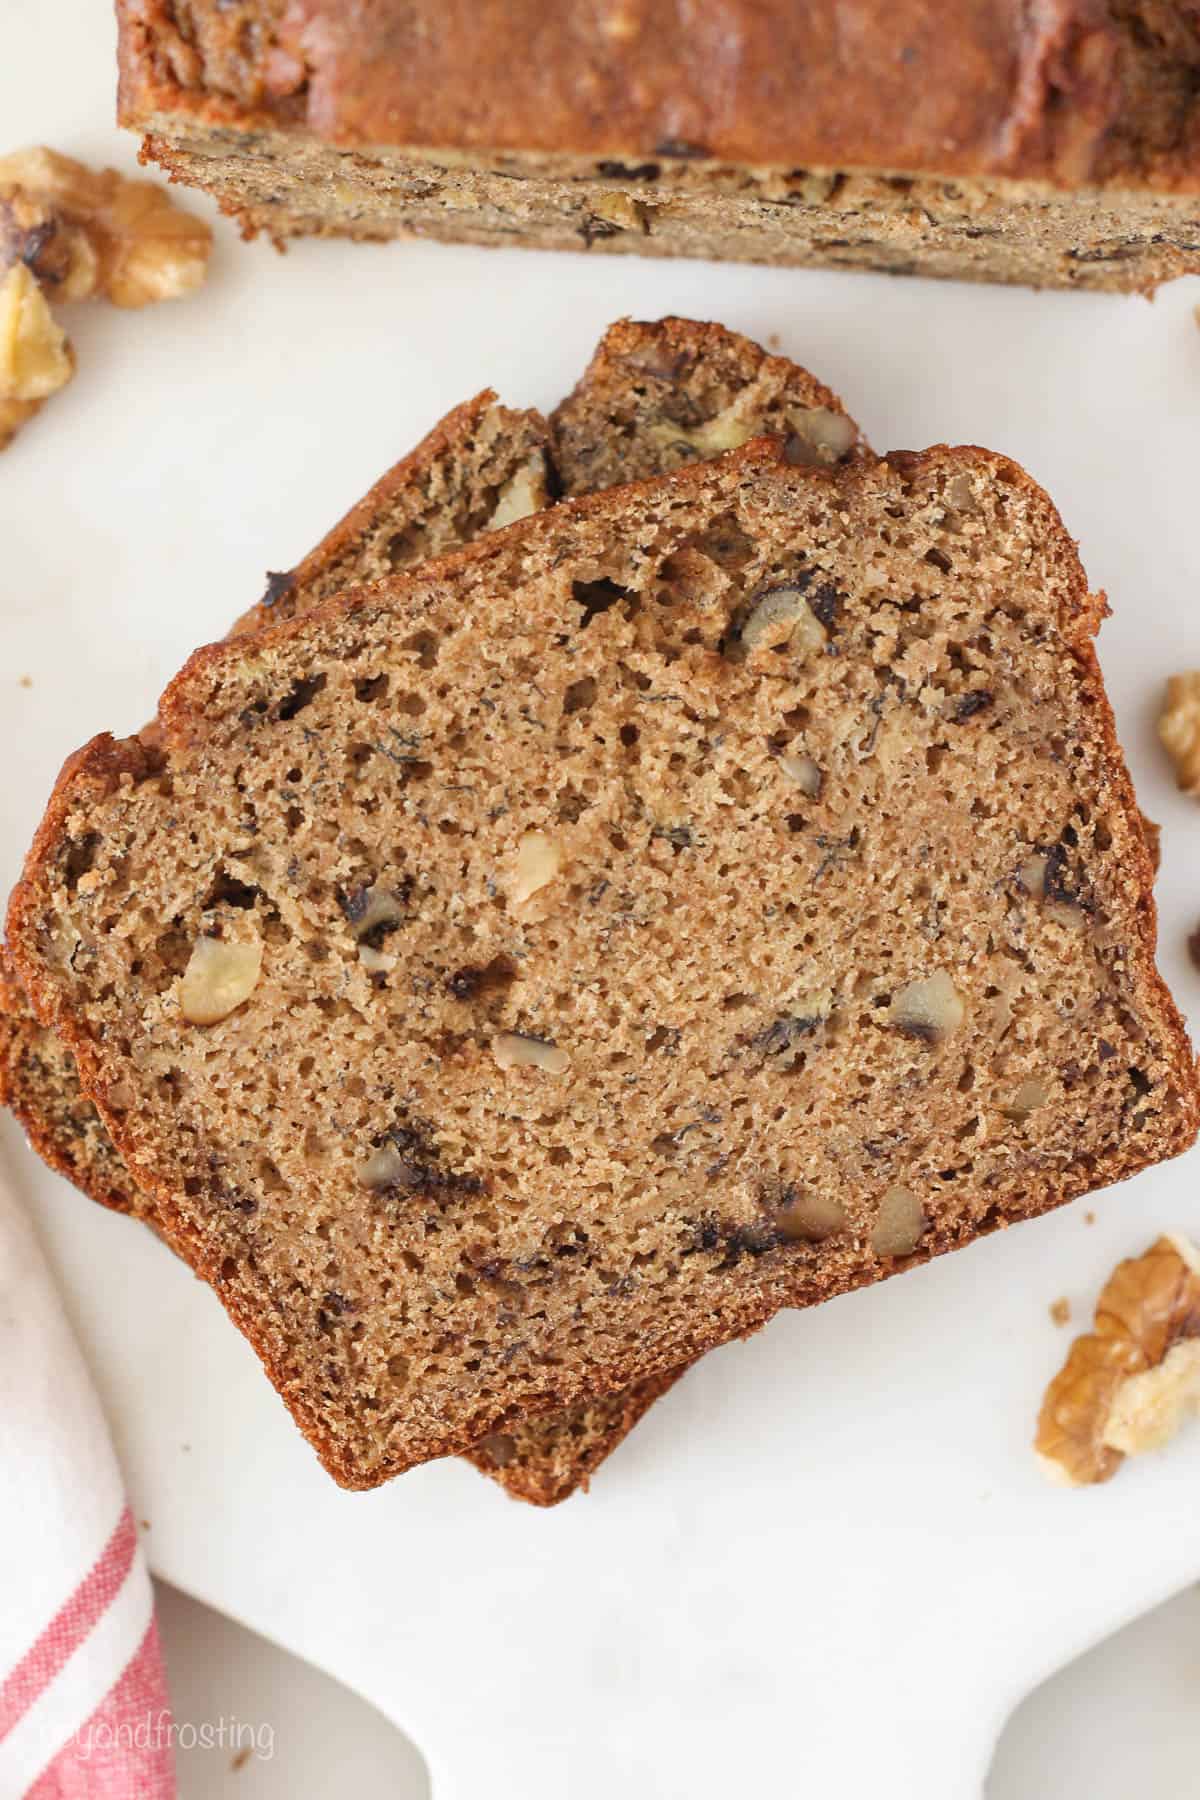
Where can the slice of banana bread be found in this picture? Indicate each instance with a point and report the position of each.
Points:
(707, 896)
(481, 463)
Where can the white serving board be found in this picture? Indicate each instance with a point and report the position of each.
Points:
(826, 1563)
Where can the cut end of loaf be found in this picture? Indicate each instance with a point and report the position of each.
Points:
(982, 228)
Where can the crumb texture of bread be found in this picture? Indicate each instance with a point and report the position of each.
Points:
(455, 485)
(660, 394)
(1058, 146)
(841, 954)
(545, 1460)
(441, 496)
(39, 1083)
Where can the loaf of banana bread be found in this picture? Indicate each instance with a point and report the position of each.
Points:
(1056, 144)
(649, 390)
(517, 977)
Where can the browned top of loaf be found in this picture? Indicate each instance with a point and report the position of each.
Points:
(848, 950)
(1070, 90)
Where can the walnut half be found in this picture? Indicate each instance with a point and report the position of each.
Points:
(1179, 729)
(85, 232)
(1128, 1384)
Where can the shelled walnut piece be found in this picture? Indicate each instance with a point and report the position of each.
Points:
(35, 358)
(1128, 1385)
(1179, 729)
(68, 233)
(85, 233)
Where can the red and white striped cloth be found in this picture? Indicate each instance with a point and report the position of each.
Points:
(84, 1713)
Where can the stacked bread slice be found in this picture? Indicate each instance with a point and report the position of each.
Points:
(654, 396)
(515, 972)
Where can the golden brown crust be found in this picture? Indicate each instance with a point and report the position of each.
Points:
(193, 708)
(1068, 91)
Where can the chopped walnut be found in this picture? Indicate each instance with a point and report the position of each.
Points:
(900, 1224)
(86, 233)
(931, 1010)
(1031, 1094)
(523, 493)
(539, 859)
(1032, 875)
(819, 436)
(512, 1051)
(500, 1446)
(383, 1168)
(724, 431)
(62, 257)
(620, 210)
(807, 1217)
(816, 435)
(35, 358)
(804, 773)
(221, 975)
(1179, 729)
(1127, 1385)
(782, 618)
(372, 913)
(70, 233)
(1150, 1408)
(376, 962)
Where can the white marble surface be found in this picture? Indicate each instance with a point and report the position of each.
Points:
(1122, 1720)
(839, 1520)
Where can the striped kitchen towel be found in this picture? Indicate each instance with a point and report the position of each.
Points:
(83, 1703)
